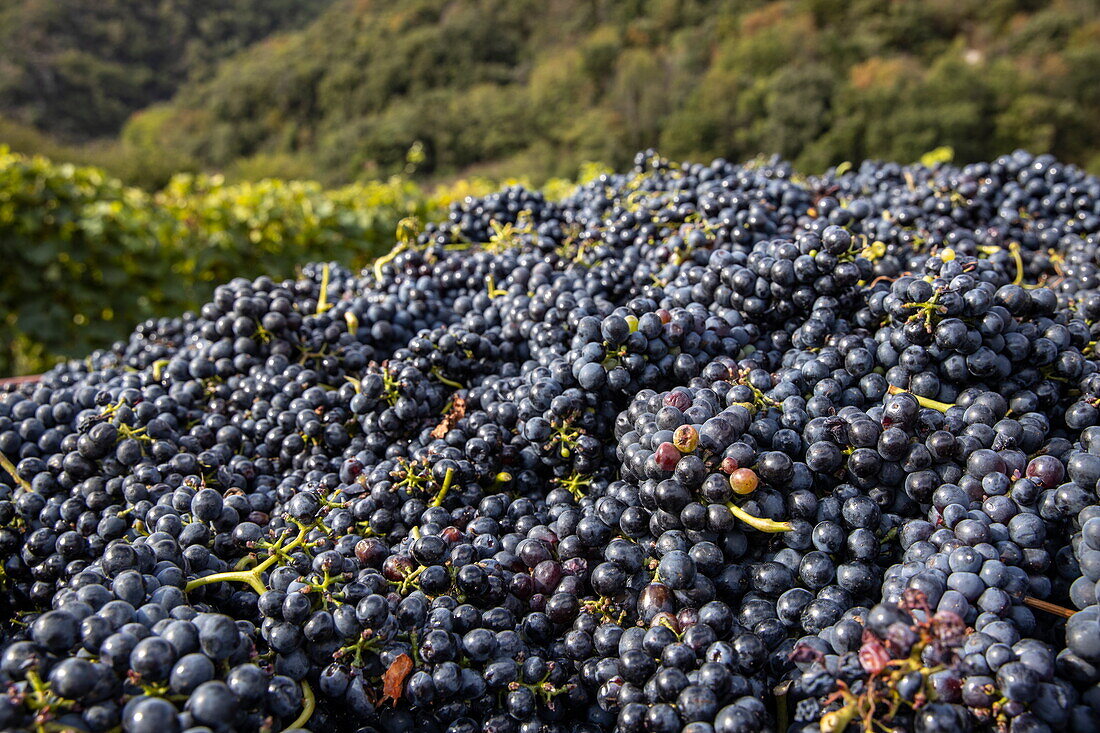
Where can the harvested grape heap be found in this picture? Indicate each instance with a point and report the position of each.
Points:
(702, 447)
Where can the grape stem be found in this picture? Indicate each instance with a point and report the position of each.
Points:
(782, 713)
(386, 259)
(1048, 607)
(309, 703)
(494, 291)
(922, 401)
(254, 577)
(438, 374)
(322, 301)
(10, 468)
(758, 523)
(1014, 250)
(448, 479)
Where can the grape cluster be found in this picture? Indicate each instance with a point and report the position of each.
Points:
(706, 448)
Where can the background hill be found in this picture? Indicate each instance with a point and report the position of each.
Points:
(80, 68)
(342, 90)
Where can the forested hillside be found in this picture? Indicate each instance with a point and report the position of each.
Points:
(535, 87)
(531, 87)
(79, 68)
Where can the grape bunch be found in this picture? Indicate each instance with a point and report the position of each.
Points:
(697, 448)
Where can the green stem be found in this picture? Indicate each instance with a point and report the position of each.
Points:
(38, 688)
(353, 322)
(758, 523)
(309, 702)
(251, 577)
(322, 302)
(10, 468)
(448, 479)
(386, 259)
(494, 291)
(244, 562)
(1014, 249)
(254, 577)
(449, 382)
(782, 713)
(408, 580)
(922, 401)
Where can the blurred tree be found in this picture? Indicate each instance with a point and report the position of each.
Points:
(519, 86)
(79, 68)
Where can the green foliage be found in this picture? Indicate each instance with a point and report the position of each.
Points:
(76, 246)
(86, 258)
(129, 162)
(79, 68)
(939, 156)
(535, 88)
(221, 231)
(338, 90)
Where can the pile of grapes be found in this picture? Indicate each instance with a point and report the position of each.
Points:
(702, 447)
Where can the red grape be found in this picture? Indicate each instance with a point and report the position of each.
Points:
(666, 456)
